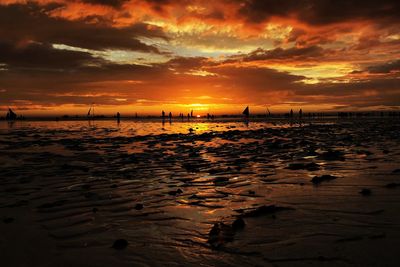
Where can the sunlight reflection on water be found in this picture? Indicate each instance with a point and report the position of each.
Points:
(142, 127)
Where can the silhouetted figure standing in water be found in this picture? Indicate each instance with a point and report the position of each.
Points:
(118, 117)
(170, 117)
(291, 113)
(191, 114)
(163, 115)
(300, 113)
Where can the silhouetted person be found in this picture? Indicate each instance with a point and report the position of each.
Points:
(291, 113)
(170, 117)
(118, 117)
(191, 113)
(208, 116)
(300, 113)
(163, 116)
(188, 116)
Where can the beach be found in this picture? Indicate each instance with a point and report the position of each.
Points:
(200, 193)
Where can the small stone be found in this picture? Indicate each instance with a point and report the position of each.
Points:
(120, 244)
(86, 186)
(138, 206)
(365, 192)
(265, 210)
(215, 230)
(319, 179)
(221, 180)
(175, 192)
(396, 171)
(238, 224)
(392, 185)
(91, 195)
(8, 220)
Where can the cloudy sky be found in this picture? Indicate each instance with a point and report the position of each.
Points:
(59, 56)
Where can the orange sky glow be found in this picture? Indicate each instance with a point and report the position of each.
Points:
(59, 56)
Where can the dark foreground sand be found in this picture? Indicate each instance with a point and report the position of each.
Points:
(67, 195)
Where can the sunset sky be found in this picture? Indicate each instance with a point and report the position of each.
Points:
(59, 56)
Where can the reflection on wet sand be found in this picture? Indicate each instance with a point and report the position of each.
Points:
(223, 194)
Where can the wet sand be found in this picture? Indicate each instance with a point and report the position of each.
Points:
(325, 194)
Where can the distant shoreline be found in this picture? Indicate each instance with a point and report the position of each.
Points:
(255, 117)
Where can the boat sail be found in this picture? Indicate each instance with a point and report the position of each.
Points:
(246, 112)
(11, 115)
(90, 113)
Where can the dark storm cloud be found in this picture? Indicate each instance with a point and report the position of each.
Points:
(254, 80)
(19, 23)
(365, 94)
(43, 56)
(385, 68)
(379, 86)
(52, 86)
(320, 12)
(293, 53)
(186, 63)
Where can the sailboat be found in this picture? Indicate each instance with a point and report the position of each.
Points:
(91, 111)
(246, 112)
(11, 115)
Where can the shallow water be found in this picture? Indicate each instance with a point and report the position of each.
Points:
(74, 187)
(130, 127)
